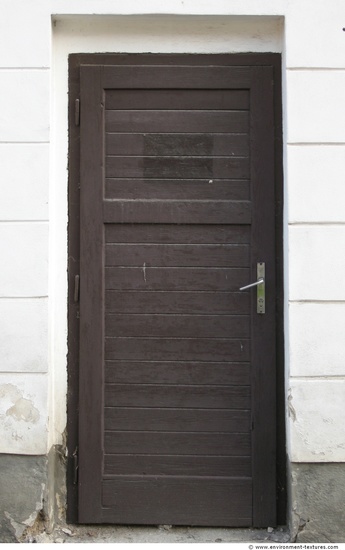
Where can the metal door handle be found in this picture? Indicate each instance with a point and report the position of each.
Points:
(258, 282)
(260, 288)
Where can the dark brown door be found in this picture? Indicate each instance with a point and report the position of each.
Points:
(177, 368)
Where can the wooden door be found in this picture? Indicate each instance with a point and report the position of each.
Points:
(176, 367)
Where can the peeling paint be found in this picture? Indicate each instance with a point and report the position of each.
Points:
(10, 391)
(291, 408)
(22, 417)
(23, 409)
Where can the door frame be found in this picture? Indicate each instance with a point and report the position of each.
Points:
(75, 61)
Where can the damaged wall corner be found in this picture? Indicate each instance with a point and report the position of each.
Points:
(56, 486)
(23, 482)
(317, 502)
(32, 495)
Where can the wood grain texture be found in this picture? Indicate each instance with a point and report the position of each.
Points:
(172, 349)
(167, 144)
(91, 296)
(173, 233)
(177, 167)
(177, 326)
(193, 501)
(207, 397)
(195, 318)
(171, 443)
(194, 302)
(165, 420)
(177, 255)
(148, 76)
(176, 278)
(183, 465)
(177, 211)
(181, 189)
(173, 99)
(177, 372)
(177, 121)
(264, 326)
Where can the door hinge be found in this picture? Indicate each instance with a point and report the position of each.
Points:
(76, 288)
(77, 112)
(75, 466)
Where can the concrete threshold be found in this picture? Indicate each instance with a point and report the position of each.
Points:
(156, 534)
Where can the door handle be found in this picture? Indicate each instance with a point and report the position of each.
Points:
(258, 282)
(260, 288)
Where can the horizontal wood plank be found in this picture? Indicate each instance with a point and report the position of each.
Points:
(178, 501)
(170, 420)
(178, 302)
(180, 76)
(176, 99)
(175, 211)
(166, 144)
(178, 255)
(177, 167)
(204, 397)
(176, 278)
(177, 121)
(177, 326)
(172, 233)
(173, 349)
(196, 189)
(172, 443)
(177, 372)
(177, 465)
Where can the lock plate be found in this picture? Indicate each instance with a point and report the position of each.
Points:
(260, 289)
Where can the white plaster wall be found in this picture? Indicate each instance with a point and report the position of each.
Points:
(24, 190)
(316, 184)
(167, 34)
(315, 295)
(25, 34)
(317, 343)
(316, 147)
(23, 413)
(24, 336)
(24, 184)
(316, 406)
(314, 142)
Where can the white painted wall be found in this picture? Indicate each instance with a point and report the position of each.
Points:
(24, 184)
(33, 166)
(315, 137)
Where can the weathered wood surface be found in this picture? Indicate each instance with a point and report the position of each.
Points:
(173, 363)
